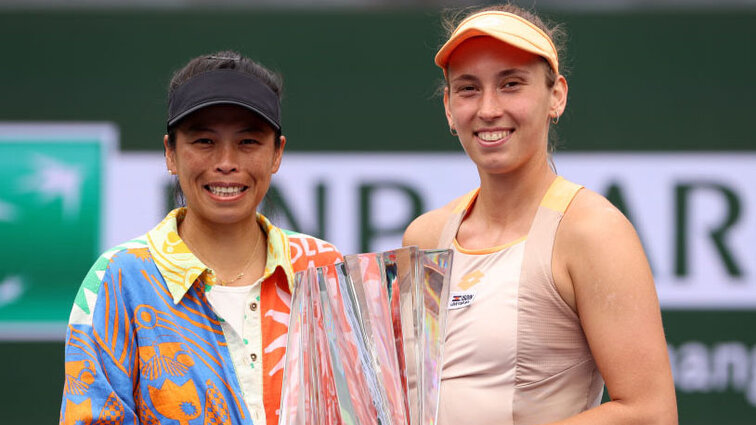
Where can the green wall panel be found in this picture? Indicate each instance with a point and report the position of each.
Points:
(32, 377)
(366, 81)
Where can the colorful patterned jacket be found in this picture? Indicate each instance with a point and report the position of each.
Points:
(144, 346)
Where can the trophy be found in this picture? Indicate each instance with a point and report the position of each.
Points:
(365, 340)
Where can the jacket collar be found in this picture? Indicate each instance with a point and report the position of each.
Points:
(180, 268)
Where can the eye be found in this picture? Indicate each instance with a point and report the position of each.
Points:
(466, 89)
(249, 142)
(203, 141)
(511, 84)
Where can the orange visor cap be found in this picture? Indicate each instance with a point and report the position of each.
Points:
(503, 26)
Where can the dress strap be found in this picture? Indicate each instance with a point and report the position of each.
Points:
(455, 220)
(560, 194)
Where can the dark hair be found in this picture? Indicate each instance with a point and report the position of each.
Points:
(556, 32)
(226, 59)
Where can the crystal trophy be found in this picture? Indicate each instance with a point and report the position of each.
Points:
(365, 340)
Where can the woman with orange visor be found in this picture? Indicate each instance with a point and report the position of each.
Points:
(559, 296)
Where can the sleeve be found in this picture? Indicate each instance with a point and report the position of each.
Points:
(100, 353)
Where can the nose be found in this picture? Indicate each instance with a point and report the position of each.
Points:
(490, 106)
(227, 159)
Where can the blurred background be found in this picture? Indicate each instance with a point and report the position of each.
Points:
(659, 119)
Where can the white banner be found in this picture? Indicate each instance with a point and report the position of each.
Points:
(693, 211)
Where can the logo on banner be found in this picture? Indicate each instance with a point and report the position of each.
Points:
(51, 220)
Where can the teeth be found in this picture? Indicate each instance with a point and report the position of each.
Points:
(225, 190)
(490, 136)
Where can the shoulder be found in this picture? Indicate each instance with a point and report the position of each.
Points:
(124, 255)
(425, 230)
(120, 255)
(594, 235)
(133, 253)
(596, 251)
(308, 250)
(591, 216)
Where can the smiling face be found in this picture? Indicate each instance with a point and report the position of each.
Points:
(499, 103)
(224, 156)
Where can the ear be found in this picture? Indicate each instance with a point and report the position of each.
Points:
(278, 154)
(558, 97)
(447, 110)
(170, 156)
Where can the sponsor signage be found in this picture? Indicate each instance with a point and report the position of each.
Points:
(51, 220)
(693, 211)
(713, 359)
(69, 195)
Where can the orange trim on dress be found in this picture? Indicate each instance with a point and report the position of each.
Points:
(466, 201)
(485, 251)
(558, 197)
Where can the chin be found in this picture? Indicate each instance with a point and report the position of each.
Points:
(495, 166)
(224, 216)
(233, 217)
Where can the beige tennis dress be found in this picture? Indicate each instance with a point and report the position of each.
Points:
(515, 352)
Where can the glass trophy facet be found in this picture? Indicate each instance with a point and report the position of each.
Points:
(434, 270)
(292, 390)
(347, 353)
(368, 278)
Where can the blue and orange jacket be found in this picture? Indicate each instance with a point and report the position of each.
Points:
(144, 345)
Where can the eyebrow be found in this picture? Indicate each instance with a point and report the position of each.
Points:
(503, 74)
(514, 71)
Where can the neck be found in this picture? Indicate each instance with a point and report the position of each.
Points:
(511, 199)
(227, 248)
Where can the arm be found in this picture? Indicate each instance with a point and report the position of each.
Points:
(602, 272)
(99, 354)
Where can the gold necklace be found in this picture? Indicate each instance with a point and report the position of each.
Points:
(241, 275)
